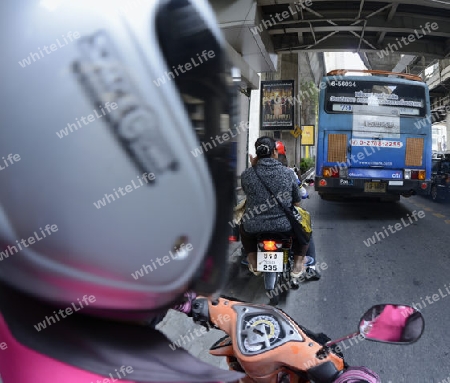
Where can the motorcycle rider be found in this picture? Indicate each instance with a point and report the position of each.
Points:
(269, 217)
(310, 260)
(281, 149)
(78, 277)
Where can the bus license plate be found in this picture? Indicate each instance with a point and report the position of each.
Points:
(374, 187)
(269, 261)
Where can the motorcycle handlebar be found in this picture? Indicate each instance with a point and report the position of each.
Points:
(262, 354)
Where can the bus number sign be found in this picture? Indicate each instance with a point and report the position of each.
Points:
(343, 83)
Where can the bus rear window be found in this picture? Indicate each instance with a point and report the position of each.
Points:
(341, 96)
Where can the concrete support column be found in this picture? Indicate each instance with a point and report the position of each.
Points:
(254, 121)
(310, 69)
(242, 141)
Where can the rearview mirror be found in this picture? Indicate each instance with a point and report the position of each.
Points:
(392, 324)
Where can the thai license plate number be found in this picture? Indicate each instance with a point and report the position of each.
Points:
(269, 261)
(374, 187)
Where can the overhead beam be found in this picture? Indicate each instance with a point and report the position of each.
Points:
(361, 5)
(295, 17)
(380, 37)
(392, 11)
(422, 3)
(358, 28)
(402, 20)
(337, 44)
(362, 36)
(376, 26)
(391, 14)
(249, 75)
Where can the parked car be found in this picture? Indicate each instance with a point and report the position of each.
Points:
(440, 177)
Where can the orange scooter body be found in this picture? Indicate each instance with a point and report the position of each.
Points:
(266, 343)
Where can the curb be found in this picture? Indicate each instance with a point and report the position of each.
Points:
(308, 174)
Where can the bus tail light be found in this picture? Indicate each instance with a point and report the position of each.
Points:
(412, 174)
(329, 171)
(423, 185)
(323, 182)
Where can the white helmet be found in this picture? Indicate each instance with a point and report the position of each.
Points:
(106, 190)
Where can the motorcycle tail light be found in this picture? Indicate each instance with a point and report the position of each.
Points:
(271, 245)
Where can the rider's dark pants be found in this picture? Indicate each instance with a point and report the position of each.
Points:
(311, 251)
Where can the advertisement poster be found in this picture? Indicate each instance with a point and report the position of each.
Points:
(308, 135)
(277, 105)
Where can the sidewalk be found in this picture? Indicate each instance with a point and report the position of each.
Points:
(181, 329)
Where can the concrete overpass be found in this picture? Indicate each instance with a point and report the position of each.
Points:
(388, 35)
(286, 39)
(380, 31)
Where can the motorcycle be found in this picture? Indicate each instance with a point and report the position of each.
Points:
(275, 260)
(268, 346)
(277, 282)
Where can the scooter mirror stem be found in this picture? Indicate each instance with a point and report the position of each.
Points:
(333, 342)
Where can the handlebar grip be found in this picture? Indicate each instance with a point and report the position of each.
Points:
(200, 310)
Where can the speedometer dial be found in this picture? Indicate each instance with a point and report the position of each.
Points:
(260, 331)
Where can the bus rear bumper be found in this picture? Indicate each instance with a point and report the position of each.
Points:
(356, 187)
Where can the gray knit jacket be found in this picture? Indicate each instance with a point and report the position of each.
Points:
(262, 212)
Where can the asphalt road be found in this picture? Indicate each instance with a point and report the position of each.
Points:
(404, 267)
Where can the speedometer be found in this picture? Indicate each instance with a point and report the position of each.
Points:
(270, 323)
(260, 331)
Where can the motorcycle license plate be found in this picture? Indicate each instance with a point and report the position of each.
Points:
(374, 187)
(269, 261)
